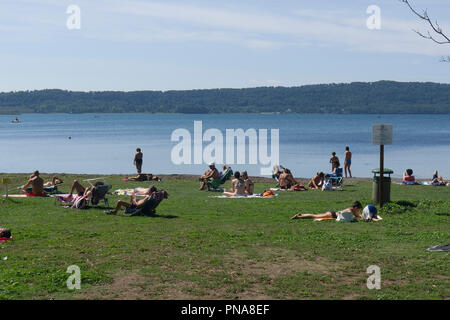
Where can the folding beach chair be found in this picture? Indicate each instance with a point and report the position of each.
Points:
(149, 208)
(100, 192)
(336, 177)
(215, 185)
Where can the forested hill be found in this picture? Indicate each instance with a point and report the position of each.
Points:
(357, 97)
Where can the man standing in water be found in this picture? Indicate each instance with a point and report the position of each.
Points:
(348, 161)
(37, 186)
(138, 160)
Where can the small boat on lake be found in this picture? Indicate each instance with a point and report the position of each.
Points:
(16, 120)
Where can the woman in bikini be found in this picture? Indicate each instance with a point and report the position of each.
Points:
(287, 179)
(238, 187)
(317, 181)
(355, 209)
(249, 185)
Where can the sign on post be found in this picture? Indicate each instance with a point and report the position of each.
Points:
(381, 135)
(5, 181)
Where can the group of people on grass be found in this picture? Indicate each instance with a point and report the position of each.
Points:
(409, 178)
(241, 185)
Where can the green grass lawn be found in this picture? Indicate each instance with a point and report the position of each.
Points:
(202, 247)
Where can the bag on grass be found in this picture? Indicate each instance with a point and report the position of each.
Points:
(327, 186)
(5, 233)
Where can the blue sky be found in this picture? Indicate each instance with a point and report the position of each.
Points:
(192, 44)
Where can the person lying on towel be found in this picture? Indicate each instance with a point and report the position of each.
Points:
(238, 186)
(55, 181)
(349, 214)
(86, 193)
(37, 186)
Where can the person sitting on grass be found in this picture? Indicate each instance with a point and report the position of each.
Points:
(437, 180)
(408, 176)
(133, 203)
(238, 186)
(86, 193)
(333, 215)
(37, 186)
(287, 179)
(211, 174)
(55, 181)
(249, 185)
(317, 181)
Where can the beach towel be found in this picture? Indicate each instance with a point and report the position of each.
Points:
(299, 187)
(445, 248)
(407, 183)
(253, 196)
(2, 240)
(128, 192)
(78, 202)
(437, 184)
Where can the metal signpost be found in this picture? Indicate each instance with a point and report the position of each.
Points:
(382, 135)
(5, 181)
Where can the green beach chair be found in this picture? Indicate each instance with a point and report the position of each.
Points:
(215, 185)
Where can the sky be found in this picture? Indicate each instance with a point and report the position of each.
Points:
(192, 44)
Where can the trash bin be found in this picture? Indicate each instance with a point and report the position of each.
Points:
(386, 185)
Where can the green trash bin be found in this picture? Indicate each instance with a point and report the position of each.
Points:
(386, 185)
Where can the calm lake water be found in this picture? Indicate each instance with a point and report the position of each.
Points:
(105, 143)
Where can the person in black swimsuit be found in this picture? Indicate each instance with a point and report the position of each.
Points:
(355, 209)
(138, 160)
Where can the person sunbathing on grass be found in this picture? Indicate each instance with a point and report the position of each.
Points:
(287, 179)
(238, 186)
(333, 215)
(54, 182)
(408, 176)
(249, 185)
(145, 177)
(37, 186)
(133, 204)
(437, 180)
(86, 193)
(317, 181)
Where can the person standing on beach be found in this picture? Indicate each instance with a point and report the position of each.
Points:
(334, 162)
(348, 161)
(138, 160)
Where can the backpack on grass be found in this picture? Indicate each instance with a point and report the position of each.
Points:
(5, 233)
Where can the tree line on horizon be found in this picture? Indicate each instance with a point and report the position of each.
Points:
(357, 97)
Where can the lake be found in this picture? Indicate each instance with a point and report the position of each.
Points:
(105, 143)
